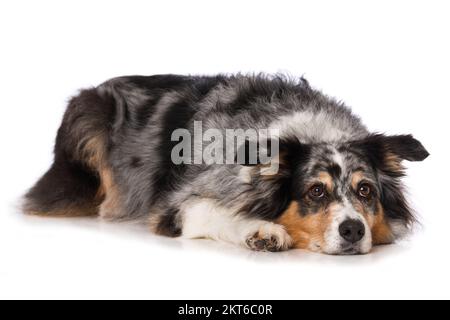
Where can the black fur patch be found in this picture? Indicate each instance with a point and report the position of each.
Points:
(253, 90)
(178, 116)
(136, 162)
(142, 114)
(167, 225)
(335, 171)
(273, 194)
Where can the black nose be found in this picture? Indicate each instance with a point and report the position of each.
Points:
(352, 230)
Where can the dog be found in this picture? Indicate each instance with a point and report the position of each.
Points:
(327, 184)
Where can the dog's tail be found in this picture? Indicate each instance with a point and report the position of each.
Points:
(67, 189)
(72, 185)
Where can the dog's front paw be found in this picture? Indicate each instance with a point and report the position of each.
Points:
(270, 237)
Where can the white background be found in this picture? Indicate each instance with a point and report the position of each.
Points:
(388, 60)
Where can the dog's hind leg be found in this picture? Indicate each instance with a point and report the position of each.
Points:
(204, 219)
(79, 179)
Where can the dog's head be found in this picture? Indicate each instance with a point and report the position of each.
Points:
(345, 198)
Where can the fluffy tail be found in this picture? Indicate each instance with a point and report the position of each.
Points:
(67, 189)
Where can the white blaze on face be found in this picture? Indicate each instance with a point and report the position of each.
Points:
(338, 159)
(334, 243)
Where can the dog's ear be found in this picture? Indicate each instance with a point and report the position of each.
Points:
(388, 151)
(386, 154)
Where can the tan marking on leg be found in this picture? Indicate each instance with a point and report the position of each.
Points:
(154, 220)
(94, 154)
(71, 212)
(110, 207)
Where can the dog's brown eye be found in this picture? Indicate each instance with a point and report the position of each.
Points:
(365, 190)
(317, 191)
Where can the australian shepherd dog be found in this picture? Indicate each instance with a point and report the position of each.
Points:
(260, 161)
